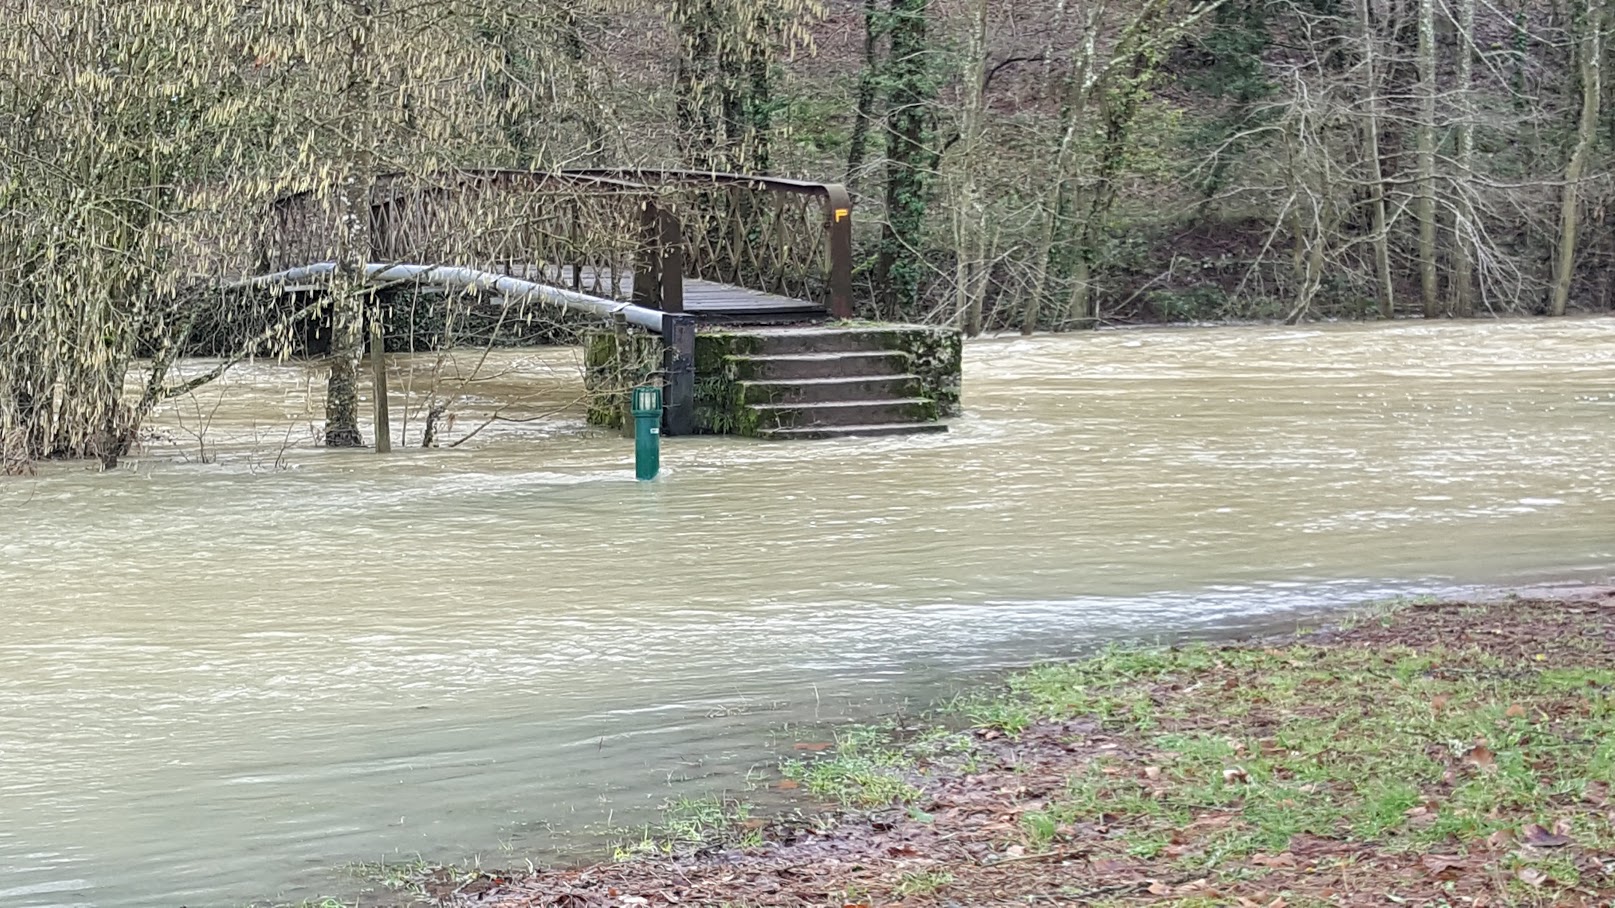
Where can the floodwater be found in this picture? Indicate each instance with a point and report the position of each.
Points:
(236, 663)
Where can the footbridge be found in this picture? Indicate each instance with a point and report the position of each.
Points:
(675, 253)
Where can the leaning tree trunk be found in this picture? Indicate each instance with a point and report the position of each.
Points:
(1591, 51)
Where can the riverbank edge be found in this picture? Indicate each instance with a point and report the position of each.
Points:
(1429, 752)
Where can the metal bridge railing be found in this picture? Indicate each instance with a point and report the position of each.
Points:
(632, 234)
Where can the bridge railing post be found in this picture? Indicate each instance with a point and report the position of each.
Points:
(648, 258)
(838, 205)
(670, 252)
(678, 346)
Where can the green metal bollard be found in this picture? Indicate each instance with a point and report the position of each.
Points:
(647, 403)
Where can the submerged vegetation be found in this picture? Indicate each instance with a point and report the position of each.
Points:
(1453, 754)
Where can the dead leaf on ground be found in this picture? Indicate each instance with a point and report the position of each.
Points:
(1159, 888)
(1439, 703)
(1235, 774)
(1596, 793)
(1480, 755)
(1441, 864)
(1515, 711)
(1274, 860)
(1152, 772)
(1500, 840)
(1420, 816)
(814, 746)
(787, 784)
(1538, 835)
(1531, 876)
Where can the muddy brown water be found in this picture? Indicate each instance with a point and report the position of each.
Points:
(233, 665)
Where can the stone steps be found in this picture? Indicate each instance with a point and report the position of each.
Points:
(818, 432)
(825, 382)
(799, 366)
(828, 390)
(844, 413)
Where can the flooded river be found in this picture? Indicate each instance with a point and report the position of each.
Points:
(232, 665)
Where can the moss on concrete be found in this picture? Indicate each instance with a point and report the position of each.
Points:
(938, 361)
(614, 363)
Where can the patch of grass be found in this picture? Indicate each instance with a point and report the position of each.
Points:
(689, 824)
(866, 769)
(1403, 747)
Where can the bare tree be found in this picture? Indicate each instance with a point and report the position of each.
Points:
(1589, 23)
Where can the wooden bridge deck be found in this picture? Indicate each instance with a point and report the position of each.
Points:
(708, 301)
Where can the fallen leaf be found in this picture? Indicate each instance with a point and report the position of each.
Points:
(1596, 793)
(1107, 865)
(1420, 816)
(1159, 888)
(814, 747)
(1439, 864)
(1537, 835)
(1515, 712)
(1531, 876)
(1500, 840)
(788, 784)
(1274, 860)
(1481, 756)
(1439, 703)
(634, 900)
(1152, 772)
(1562, 826)
(1235, 774)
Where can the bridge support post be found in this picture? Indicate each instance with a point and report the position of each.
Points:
(678, 340)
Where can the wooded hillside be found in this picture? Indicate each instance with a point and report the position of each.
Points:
(1019, 164)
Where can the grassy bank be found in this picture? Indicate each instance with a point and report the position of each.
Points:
(1453, 754)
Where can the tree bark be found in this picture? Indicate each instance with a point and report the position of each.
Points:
(348, 293)
(1590, 49)
(1428, 279)
(864, 115)
(1376, 175)
(908, 158)
(1463, 278)
(968, 215)
(1085, 71)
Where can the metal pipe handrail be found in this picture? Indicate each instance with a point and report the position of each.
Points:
(470, 279)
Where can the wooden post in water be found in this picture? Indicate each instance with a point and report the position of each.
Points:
(378, 372)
